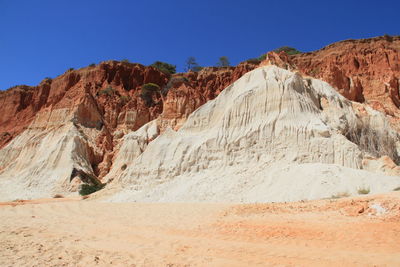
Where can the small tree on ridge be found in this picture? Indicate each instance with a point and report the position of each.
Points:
(191, 64)
(223, 62)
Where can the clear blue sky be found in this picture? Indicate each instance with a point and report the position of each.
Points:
(43, 38)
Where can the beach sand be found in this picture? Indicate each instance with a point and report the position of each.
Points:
(361, 231)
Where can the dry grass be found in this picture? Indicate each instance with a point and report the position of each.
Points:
(340, 195)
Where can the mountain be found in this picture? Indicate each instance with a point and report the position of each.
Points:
(265, 126)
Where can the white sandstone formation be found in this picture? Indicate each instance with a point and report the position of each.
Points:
(271, 136)
(40, 162)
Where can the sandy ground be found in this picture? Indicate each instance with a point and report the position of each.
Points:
(362, 231)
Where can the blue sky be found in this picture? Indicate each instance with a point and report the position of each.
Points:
(43, 38)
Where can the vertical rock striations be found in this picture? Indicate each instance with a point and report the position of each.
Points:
(270, 136)
(366, 70)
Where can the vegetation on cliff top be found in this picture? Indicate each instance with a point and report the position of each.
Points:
(223, 62)
(164, 67)
(288, 50)
(192, 65)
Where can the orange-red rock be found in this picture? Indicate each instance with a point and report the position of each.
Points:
(108, 96)
(101, 96)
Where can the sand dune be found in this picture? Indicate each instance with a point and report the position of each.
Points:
(360, 231)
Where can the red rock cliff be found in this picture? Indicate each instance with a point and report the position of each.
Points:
(114, 88)
(108, 96)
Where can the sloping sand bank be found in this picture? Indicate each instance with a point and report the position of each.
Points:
(363, 231)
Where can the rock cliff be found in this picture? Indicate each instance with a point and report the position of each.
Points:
(366, 70)
(89, 125)
(83, 114)
(270, 136)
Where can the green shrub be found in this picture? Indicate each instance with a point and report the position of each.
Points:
(397, 189)
(387, 37)
(257, 60)
(108, 91)
(164, 67)
(150, 87)
(262, 57)
(47, 80)
(87, 189)
(70, 69)
(363, 191)
(288, 50)
(123, 167)
(147, 91)
(123, 99)
(92, 65)
(253, 60)
(125, 61)
(223, 62)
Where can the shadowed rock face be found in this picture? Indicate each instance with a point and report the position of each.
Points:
(366, 70)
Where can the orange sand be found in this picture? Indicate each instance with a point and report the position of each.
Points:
(344, 232)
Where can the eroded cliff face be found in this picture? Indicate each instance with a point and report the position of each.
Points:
(119, 107)
(88, 124)
(86, 90)
(72, 126)
(101, 102)
(366, 70)
(188, 91)
(273, 135)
